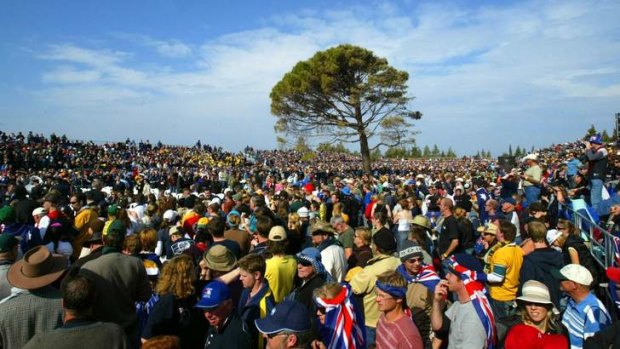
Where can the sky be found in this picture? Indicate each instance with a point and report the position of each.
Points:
(485, 74)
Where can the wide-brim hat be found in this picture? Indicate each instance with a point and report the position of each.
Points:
(321, 227)
(219, 258)
(38, 268)
(535, 292)
(421, 221)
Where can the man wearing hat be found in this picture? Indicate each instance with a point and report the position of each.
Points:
(468, 322)
(37, 308)
(219, 261)
(311, 275)
(609, 337)
(363, 283)
(585, 314)
(421, 281)
(531, 179)
(122, 280)
(281, 267)
(226, 329)
(8, 254)
(287, 326)
(597, 154)
(508, 209)
(332, 253)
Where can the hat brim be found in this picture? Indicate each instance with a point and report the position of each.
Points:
(534, 300)
(268, 326)
(204, 305)
(221, 266)
(16, 277)
(556, 273)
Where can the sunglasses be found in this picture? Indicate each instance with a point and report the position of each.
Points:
(274, 335)
(320, 310)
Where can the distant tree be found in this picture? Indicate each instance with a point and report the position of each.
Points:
(590, 132)
(518, 151)
(348, 94)
(605, 137)
(435, 152)
(396, 153)
(451, 154)
(301, 145)
(426, 153)
(282, 143)
(416, 152)
(510, 150)
(376, 154)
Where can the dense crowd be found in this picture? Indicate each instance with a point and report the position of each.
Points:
(128, 245)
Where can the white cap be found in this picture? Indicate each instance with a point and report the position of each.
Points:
(39, 211)
(531, 157)
(303, 212)
(552, 235)
(170, 215)
(574, 272)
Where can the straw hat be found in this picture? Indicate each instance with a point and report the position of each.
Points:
(421, 221)
(38, 268)
(535, 292)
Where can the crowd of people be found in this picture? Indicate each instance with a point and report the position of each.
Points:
(134, 245)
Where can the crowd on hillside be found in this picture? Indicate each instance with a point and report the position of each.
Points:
(129, 245)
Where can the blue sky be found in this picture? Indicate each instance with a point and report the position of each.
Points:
(484, 76)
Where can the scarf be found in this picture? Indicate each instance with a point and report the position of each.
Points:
(474, 284)
(344, 323)
(426, 276)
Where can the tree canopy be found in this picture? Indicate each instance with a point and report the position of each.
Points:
(346, 94)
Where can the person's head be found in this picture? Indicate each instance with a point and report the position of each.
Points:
(131, 245)
(446, 206)
(328, 291)
(216, 303)
(491, 205)
(574, 279)
(537, 231)
(8, 247)
(362, 237)
(78, 295)
(391, 289)
(287, 326)
(251, 270)
(338, 224)
(294, 221)
(457, 266)
(320, 232)
(177, 277)
(488, 232)
(114, 238)
(148, 239)
(216, 227)
(536, 305)
(508, 205)
(308, 263)
(278, 240)
(567, 227)
(379, 219)
(383, 242)
(263, 226)
(77, 201)
(411, 256)
(233, 219)
(507, 231)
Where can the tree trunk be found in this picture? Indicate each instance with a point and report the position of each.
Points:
(365, 151)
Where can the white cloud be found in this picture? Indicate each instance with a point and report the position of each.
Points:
(489, 66)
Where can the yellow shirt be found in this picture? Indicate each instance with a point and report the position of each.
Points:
(511, 257)
(280, 272)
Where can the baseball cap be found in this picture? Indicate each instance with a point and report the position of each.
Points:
(289, 315)
(170, 215)
(552, 235)
(277, 233)
(213, 295)
(573, 272)
(7, 241)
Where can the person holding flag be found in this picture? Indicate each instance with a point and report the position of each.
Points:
(469, 321)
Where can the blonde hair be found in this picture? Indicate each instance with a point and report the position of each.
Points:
(148, 239)
(328, 291)
(177, 277)
(364, 235)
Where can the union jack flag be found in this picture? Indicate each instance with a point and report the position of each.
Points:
(344, 323)
(426, 276)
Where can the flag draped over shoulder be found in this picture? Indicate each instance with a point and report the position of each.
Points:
(426, 276)
(344, 323)
(474, 284)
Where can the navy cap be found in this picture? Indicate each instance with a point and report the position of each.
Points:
(509, 200)
(289, 315)
(213, 295)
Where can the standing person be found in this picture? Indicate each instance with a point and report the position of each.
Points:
(124, 281)
(311, 273)
(174, 312)
(332, 254)
(85, 216)
(482, 196)
(37, 308)
(539, 327)
(363, 283)
(395, 329)
(226, 329)
(280, 267)
(596, 154)
(531, 180)
(346, 235)
(256, 299)
(80, 330)
(421, 282)
(505, 267)
(340, 319)
(449, 236)
(469, 321)
(585, 314)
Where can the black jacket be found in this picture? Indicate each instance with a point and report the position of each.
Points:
(537, 265)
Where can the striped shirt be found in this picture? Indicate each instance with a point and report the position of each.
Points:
(583, 320)
(400, 334)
